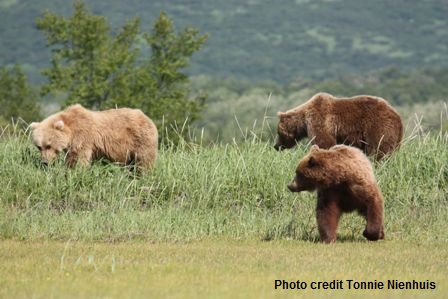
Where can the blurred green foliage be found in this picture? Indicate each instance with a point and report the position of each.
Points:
(102, 70)
(260, 39)
(260, 58)
(237, 108)
(18, 100)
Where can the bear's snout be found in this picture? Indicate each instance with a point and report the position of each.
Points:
(279, 147)
(292, 186)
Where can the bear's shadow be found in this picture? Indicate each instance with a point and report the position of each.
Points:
(28, 156)
(310, 236)
(315, 239)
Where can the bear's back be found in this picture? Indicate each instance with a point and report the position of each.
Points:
(359, 104)
(355, 161)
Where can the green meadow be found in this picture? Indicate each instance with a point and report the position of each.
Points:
(213, 221)
(216, 268)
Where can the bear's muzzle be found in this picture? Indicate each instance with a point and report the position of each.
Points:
(279, 147)
(292, 186)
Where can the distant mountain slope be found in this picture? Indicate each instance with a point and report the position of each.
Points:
(260, 39)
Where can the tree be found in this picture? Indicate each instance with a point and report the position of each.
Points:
(17, 98)
(101, 70)
(170, 53)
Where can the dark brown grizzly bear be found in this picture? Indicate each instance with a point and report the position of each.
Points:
(345, 182)
(366, 122)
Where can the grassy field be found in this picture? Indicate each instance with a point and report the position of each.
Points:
(212, 221)
(217, 269)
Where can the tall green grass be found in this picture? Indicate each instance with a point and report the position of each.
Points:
(198, 191)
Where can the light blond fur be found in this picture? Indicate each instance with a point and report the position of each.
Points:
(120, 135)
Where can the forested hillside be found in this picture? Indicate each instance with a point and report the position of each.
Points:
(256, 57)
(236, 109)
(260, 39)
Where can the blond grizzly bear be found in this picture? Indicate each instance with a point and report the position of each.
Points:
(121, 135)
(366, 122)
(344, 180)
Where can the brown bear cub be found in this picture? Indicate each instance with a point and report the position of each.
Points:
(344, 180)
(124, 135)
(366, 122)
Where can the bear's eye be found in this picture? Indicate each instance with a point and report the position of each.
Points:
(39, 147)
(47, 147)
(312, 162)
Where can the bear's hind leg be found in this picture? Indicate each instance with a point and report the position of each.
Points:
(145, 160)
(380, 145)
(374, 228)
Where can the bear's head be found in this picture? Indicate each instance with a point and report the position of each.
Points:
(291, 128)
(312, 171)
(51, 137)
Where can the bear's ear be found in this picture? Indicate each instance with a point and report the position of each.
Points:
(34, 125)
(281, 114)
(312, 162)
(314, 148)
(59, 125)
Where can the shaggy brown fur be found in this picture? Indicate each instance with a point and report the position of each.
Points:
(345, 182)
(366, 122)
(120, 135)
